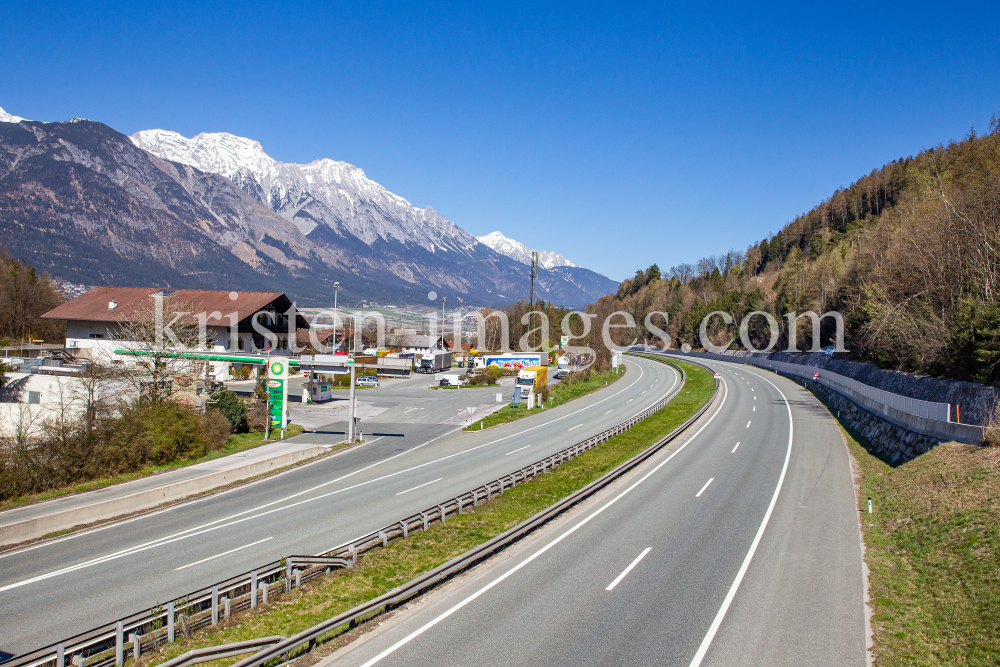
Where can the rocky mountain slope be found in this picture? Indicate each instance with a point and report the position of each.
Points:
(90, 205)
(323, 192)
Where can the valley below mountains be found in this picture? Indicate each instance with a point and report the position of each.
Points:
(92, 206)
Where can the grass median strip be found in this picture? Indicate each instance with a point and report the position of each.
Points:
(931, 549)
(561, 393)
(386, 568)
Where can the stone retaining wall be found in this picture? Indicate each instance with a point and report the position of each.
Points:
(892, 443)
(975, 402)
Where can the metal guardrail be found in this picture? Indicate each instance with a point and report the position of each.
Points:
(147, 630)
(200, 655)
(307, 639)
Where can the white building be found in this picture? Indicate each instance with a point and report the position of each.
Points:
(421, 344)
(234, 322)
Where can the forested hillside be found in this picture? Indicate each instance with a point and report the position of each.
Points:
(25, 295)
(909, 254)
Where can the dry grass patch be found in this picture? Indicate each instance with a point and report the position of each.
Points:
(933, 550)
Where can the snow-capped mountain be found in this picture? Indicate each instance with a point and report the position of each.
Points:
(522, 253)
(323, 192)
(8, 118)
(216, 212)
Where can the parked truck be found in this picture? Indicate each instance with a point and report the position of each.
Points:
(534, 377)
(435, 362)
(562, 367)
(511, 361)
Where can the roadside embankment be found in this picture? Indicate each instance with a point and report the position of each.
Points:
(932, 552)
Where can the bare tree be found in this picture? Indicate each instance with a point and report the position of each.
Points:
(398, 338)
(156, 336)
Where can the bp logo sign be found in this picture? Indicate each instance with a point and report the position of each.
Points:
(277, 393)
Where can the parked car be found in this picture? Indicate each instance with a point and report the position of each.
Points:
(366, 381)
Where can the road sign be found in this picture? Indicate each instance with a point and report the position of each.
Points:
(564, 341)
(277, 392)
(717, 375)
(816, 375)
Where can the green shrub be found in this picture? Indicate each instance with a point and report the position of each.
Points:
(257, 415)
(143, 434)
(232, 408)
(215, 429)
(493, 374)
(151, 433)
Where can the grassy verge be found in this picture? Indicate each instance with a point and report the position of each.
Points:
(401, 561)
(558, 394)
(933, 553)
(238, 442)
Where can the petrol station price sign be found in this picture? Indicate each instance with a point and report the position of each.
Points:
(277, 392)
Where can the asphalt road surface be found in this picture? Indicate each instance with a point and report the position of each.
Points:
(738, 545)
(414, 457)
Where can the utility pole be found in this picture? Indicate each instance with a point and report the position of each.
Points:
(444, 327)
(267, 397)
(534, 273)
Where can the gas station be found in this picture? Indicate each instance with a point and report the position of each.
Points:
(278, 370)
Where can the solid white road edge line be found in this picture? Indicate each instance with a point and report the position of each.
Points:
(224, 553)
(420, 486)
(218, 523)
(430, 624)
(628, 569)
(517, 450)
(714, 628)
(698, 495)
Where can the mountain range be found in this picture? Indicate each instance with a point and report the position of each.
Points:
(93, 206)
(522, 253)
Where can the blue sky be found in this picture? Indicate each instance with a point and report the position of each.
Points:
(619, 135)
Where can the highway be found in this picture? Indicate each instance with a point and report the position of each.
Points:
(737, 545)
(415, 456)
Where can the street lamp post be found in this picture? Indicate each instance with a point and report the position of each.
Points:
(336, 289)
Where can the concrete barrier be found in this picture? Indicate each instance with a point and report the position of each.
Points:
(934, 428)
(30, 529)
